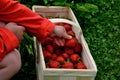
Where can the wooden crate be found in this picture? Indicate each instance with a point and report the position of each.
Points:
(44, 73)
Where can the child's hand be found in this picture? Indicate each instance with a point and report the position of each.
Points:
(16, 29)
(60, 34)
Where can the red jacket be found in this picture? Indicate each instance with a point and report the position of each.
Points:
(13, 11)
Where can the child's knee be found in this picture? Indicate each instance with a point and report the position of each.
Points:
(17, 60)
(11, 64)
(12, 61)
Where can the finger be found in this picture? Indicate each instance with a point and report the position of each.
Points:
(22, 28)
(57, 42)
(62, 42)
(65, 35)
(21, 38)
(11, 23)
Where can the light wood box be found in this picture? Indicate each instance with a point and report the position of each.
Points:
(44, 73)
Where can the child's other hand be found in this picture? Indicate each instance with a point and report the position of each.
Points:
(16, 29)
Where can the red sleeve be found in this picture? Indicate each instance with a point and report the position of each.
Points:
(8, 41)
(13, 11)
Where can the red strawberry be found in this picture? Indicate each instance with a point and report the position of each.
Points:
(50, 48)
(74, 58)
(80, 65)
(67, 27)
(60, 59)
(69, 51)
(68, 65)
(65, 56)
(78, 47)
(58, 51)
(71, 42)
(47, 54)
(54, 56)
(54, 64)
(43, 48)
(71, 33)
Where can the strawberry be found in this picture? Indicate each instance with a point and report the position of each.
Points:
(43, 48)
(69, 51)
(54, 56)
(58, 51)
(78, 47)
(68, 65)
(74, 58)
(50, 48)
(80, 65)
(47, 54)
(71, 42)
(70, 32)
(65, 56)
(54, 64)
(67, 27)
(60, 59)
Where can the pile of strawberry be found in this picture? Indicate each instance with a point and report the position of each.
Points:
(67, 56)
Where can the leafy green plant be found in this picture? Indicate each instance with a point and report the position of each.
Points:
(28, 69)
(86, 13)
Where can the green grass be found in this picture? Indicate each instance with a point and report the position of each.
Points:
(103, 38)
